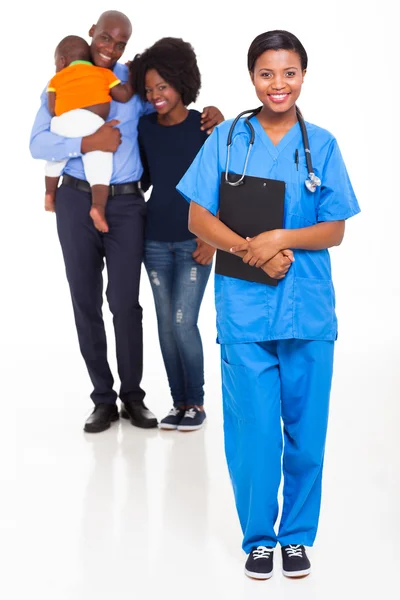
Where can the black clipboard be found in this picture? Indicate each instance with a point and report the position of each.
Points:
(254, 206)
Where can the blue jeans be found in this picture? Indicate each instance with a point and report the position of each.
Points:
(178, 283)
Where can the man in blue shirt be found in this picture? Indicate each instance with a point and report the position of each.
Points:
(84, 248)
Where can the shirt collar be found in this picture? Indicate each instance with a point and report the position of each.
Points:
(80, 62)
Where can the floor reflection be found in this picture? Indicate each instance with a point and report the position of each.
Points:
(185, 499)
(114, 524)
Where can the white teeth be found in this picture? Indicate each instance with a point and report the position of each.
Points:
(104, 57)
(278, 96)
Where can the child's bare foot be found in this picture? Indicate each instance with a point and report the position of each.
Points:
(50, 202)
(99, 220)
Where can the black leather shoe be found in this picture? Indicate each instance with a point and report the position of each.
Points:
(138, 414)
(101, 418)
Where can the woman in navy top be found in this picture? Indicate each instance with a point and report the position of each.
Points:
(178, 263)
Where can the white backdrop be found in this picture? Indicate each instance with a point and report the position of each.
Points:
(351, 89)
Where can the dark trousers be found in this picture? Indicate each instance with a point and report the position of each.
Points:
(84, 250)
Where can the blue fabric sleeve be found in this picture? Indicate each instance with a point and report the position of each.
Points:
(148, 108)
(201, 181)
(49, 146)
(122, 72)
(337, 199)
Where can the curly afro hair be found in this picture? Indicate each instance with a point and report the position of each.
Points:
(175, 61)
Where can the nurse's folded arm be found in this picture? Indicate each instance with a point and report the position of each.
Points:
(258, 251)
(316, 237)
(279, 265)
(210, 229)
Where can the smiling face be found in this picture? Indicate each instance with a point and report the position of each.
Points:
(161, 94)
(278, 78)
(109, 39)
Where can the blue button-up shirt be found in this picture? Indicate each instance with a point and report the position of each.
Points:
(127, 165)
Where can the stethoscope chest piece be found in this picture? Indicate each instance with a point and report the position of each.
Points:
(312, 182)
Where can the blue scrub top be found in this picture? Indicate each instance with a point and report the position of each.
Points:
(302, 305)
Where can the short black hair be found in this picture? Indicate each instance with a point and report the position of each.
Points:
(175, 61)
(74, 47)
(275, 40)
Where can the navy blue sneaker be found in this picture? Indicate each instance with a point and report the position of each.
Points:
(260, 562)
(193, 419)
(295, 561)
(173, 418)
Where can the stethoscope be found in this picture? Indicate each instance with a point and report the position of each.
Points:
(312, 181)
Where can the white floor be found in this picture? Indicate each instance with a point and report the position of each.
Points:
(134, 513)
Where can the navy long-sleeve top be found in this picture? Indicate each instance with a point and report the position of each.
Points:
(167, 152)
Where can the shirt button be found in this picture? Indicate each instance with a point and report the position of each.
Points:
(74, 153)
(70, 154)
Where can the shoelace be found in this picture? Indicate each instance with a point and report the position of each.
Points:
(261, 552)
(191, 413)
(294, 551)
(174, 412)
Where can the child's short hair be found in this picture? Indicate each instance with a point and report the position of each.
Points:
(175, 61)
(74, 47)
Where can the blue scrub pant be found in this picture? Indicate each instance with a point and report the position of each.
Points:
(265, 384)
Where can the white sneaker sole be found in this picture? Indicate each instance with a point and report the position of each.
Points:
(189, 427)
(302, 573)
(167, 426)
(258, 575)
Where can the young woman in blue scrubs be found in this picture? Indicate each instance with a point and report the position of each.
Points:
(178, 264)
(276, 342)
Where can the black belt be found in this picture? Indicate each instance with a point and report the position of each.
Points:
(133, 187)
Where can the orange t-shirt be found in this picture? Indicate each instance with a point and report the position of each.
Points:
(81, 84)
